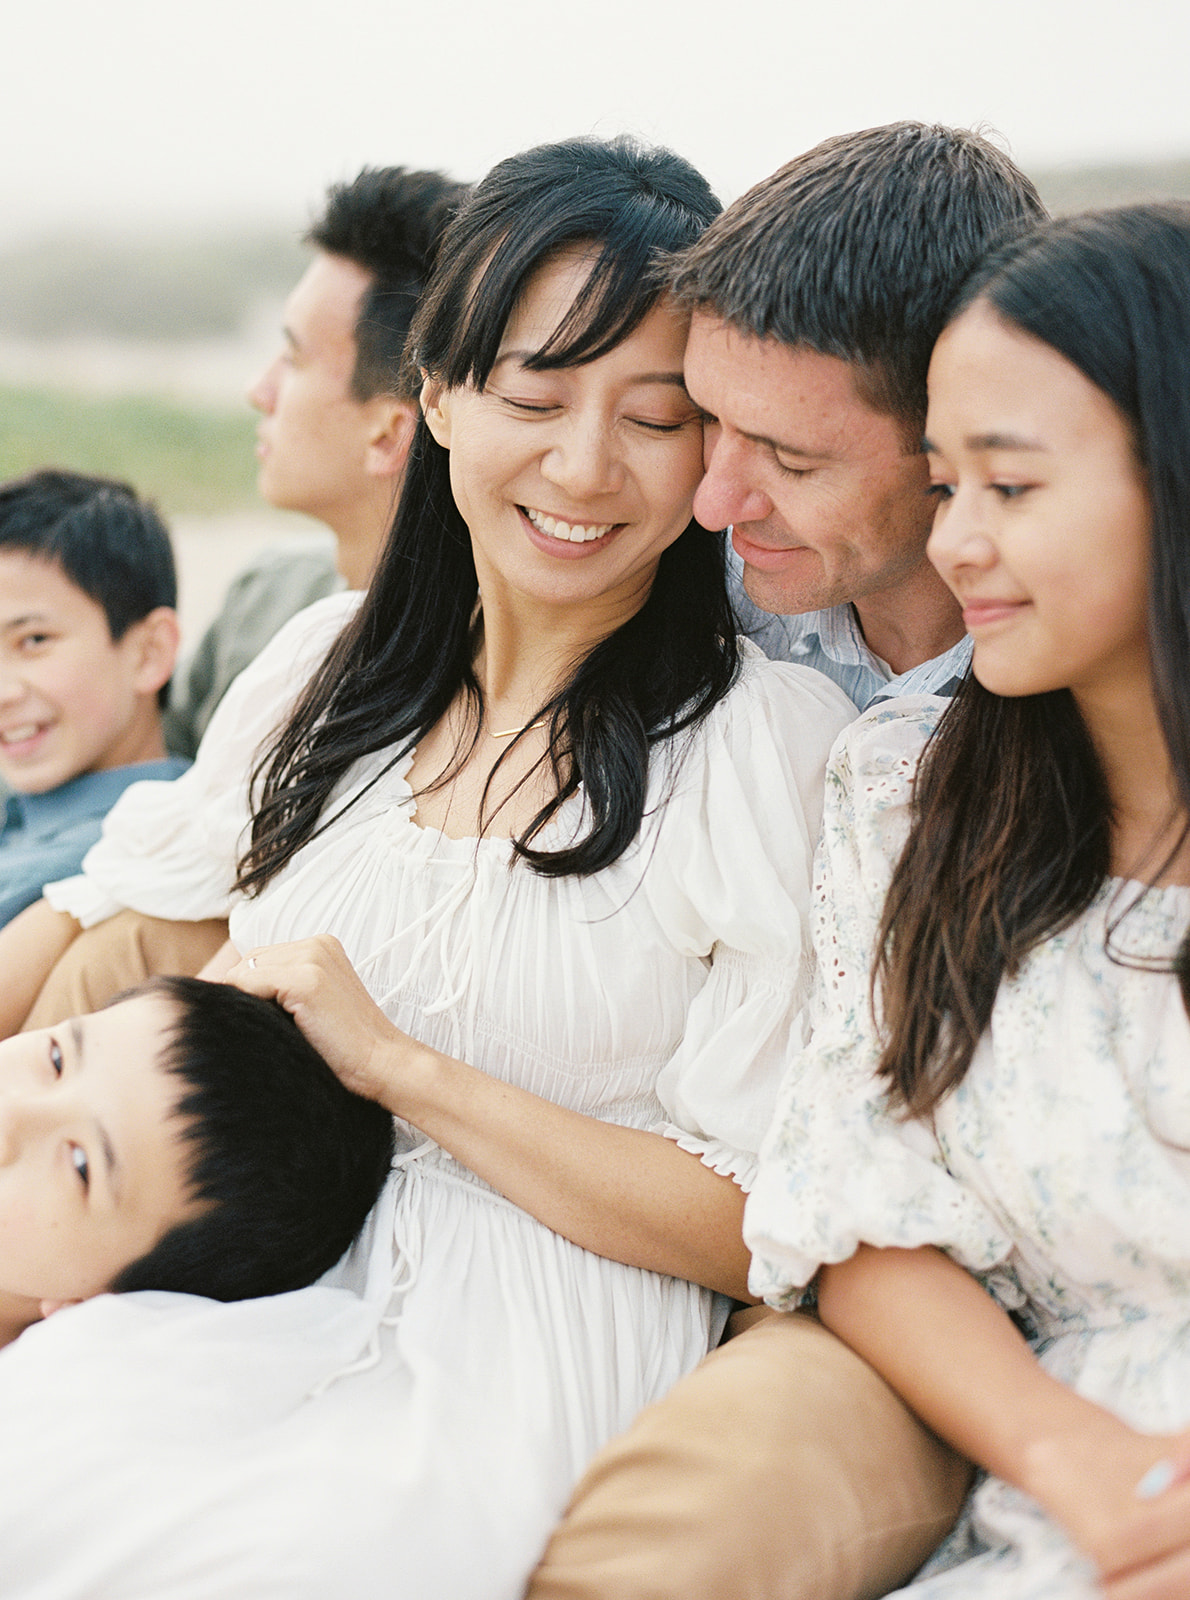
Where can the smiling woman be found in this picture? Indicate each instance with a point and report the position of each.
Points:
(528, 860)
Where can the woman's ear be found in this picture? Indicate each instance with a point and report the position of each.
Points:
(435, 406)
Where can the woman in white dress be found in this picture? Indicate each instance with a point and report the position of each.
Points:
(542, 828)
(1023, 1102)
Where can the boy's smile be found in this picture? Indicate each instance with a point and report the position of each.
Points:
(72, 699)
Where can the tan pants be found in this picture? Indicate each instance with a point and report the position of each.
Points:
(782, 1468)
(115, 954)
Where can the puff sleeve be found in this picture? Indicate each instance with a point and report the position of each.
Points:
(837, 1169)
(729, 879)
(170, 849)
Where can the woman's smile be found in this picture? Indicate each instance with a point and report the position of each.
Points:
(573, 480)
(569, 532)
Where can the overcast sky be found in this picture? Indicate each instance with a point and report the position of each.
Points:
(140, 111)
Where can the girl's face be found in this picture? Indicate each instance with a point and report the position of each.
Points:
(572, 482)
(1042, 524)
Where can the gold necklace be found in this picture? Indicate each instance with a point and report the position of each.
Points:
(507, 733)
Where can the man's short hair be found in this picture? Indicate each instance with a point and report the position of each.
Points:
(108, 542)
(286, 1161)
(856, 248)
(389, 222)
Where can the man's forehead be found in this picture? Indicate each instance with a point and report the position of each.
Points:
(752, 381)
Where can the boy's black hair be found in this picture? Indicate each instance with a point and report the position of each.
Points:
(287, 1161)
(389, 222)
(109, 543)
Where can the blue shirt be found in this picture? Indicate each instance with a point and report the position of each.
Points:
(832, 642)
(45, 836)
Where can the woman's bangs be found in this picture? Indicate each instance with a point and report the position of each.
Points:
(620, 291)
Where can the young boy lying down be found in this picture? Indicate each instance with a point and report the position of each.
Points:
(185, 1138)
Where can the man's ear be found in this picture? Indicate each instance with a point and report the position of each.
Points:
(48, 1307)
(435, 407)
(155, 640)
(388, 445)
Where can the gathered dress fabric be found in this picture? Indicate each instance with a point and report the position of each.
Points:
(412, 1425)
(1058, 1171)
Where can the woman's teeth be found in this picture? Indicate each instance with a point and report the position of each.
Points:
(572, 532)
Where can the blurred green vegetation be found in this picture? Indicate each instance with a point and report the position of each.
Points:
(186, 458)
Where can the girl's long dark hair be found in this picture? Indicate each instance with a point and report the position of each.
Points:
(407, 653)
(1010, 837)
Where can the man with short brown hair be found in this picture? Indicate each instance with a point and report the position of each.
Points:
(784, 1468)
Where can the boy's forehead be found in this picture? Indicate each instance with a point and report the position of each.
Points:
(36, 588)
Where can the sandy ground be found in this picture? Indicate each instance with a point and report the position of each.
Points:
(211, 550)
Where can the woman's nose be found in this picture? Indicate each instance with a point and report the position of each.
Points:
(583, 459)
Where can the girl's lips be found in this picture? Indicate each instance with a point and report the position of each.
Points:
(981, 613)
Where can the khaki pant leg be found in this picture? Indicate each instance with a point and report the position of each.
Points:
(115, 954)
(782, 1468)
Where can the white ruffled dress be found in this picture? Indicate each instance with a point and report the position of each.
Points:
(412, 1426)
(1058, 1171)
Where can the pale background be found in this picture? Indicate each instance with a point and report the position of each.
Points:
(136, 114)
(136, 109)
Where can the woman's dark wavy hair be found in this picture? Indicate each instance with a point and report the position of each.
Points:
(407, 653)
(1011, 819)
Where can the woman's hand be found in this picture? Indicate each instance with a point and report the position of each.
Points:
(621, 1192)
(318, 986)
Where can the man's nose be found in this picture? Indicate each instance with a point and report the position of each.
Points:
(728, 492)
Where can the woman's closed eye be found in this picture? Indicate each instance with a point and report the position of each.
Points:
(534, 408)
(666, 425)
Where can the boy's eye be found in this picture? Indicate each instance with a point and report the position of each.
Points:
(78, 1157)
(56, 1057)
